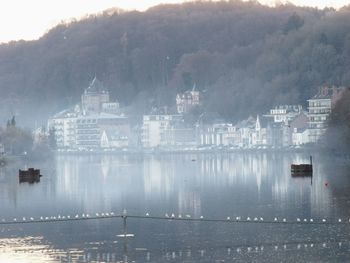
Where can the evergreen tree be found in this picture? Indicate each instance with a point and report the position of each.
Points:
(13, 121)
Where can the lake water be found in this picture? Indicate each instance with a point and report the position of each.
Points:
(214, 186)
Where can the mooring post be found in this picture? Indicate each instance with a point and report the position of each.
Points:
(124, 216)
(311, 159)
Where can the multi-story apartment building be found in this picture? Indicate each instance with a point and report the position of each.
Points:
(155, 129)
(63, 125)
(320, 107)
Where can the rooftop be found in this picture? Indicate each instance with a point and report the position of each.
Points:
(96, 86)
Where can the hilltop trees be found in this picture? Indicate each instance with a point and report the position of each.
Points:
(245, 56)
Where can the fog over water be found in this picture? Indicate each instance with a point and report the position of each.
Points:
(210, 185)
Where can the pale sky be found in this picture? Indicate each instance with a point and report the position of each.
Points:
(30, 19)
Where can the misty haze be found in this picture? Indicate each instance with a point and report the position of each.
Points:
(208, 131)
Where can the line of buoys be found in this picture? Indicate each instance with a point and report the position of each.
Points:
(176, 217)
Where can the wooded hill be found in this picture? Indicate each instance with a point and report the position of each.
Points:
(244, 56)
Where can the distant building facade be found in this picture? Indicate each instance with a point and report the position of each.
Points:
(97, 123)
(285, 113)
(162, 130)
(187, 100)
(320, 107)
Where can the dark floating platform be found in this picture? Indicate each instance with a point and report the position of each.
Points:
(301, 170)
(29, 176)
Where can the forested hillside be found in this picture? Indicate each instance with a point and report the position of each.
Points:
(245, 57)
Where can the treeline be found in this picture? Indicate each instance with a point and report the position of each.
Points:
(337, 137)
(244, 56)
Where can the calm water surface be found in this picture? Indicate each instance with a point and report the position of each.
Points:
(209, 185)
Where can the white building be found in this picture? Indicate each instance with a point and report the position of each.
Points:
(63, 125)
(155, 128)
(220, 134)
(285, 113)
(300, 137)
(82, 127)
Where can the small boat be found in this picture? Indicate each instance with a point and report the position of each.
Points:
(31, 175)
(302, 170)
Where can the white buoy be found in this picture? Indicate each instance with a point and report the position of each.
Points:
(275, 219)
(228, 218)
(324, 220)
(311, 220)
(339, 220)
(147, 214)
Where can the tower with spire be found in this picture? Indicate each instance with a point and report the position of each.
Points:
(187, 100)
(93, 97)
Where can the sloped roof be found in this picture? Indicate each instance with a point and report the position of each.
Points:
(95, 86)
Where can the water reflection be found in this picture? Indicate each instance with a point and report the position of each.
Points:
(209, 185)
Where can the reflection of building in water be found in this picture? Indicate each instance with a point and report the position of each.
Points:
(105, 164)
(236, 167)
(165, 180)
(155, 182)
(189, 202)
(82, 184)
